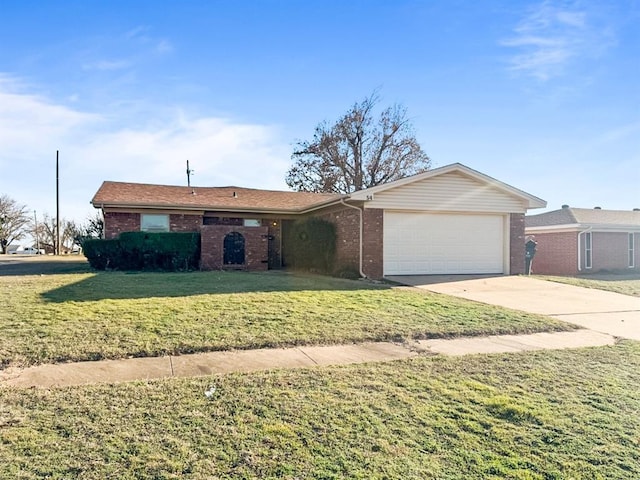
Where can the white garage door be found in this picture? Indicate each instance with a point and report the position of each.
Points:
(425, 243)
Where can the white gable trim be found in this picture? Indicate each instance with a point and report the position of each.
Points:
(531, 201)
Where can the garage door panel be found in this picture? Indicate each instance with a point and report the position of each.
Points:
(426, 243)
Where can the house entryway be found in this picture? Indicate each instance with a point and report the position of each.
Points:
(234, 251)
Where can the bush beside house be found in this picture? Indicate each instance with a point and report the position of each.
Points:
(312, 243)
(167, 251)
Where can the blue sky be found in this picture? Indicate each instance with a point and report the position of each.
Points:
(541, 95)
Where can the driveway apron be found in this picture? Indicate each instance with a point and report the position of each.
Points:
(598, 310)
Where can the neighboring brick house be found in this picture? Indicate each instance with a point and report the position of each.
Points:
(573, 241)
(448, 220)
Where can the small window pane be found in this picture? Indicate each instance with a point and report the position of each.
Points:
(251, 222)
(154, 223)
(588, 261)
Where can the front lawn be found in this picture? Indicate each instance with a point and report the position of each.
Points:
(625, 284)
(569, 414)
(83, 316)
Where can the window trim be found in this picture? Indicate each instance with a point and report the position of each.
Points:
(588, 251)
(631, 261)
(157, 216)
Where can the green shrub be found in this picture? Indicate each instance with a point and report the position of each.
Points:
(348, 272)
(169, 251)
(312, 244)
(101, 254)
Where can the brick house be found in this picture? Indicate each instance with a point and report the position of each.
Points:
(573, 241)
(445, 221)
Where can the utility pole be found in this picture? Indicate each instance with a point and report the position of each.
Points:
(57, 252)
(35, 222)
(189, 172)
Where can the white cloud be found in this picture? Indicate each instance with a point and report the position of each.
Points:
(553, 35)
(219, 150)
(107, 65)
(95, 148)
(164, 46)
(138, 32)
(31, 124)
(141, 34)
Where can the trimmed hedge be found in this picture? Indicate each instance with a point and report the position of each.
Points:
(101, 253)
(312, 245)
(170, 251)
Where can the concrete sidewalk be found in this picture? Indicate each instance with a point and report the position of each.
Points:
(115, 371)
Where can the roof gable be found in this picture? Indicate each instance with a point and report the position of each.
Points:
(480, 182)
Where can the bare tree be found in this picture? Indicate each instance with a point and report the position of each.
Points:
(93, 228)
(14, 221)
(358, 151)
(47, 233)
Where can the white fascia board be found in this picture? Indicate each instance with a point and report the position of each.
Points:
(615, 228)
(531, 200)
(581, 227)
(555, 228)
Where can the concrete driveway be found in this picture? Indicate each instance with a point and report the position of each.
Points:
(605, 312)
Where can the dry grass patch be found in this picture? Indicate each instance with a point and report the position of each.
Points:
(535, 415)
(73, 317)
(625, 284)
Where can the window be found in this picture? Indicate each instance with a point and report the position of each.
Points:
(587, 250)
(631, 252)
(154, 223)
(252, 222)
(222, 221)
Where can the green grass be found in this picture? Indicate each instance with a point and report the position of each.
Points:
(569, 414)
(625, 284)
(72, 317)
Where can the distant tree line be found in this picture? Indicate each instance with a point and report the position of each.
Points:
(17, 223)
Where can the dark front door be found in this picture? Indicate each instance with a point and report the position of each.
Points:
(233, 249)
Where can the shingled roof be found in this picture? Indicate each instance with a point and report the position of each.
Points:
(140, 195)
(584, 216)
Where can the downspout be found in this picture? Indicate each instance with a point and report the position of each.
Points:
(360, 236)
(580, 247)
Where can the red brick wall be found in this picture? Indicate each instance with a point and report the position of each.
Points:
(179, 222)
(516, 244)
(373, 243)
(556, 253)
(117, 222)
(347, 222)
(610, 251)
(274, 226)
(212, 246)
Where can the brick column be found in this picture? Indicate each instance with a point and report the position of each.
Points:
(372, 243)
(516, 242)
